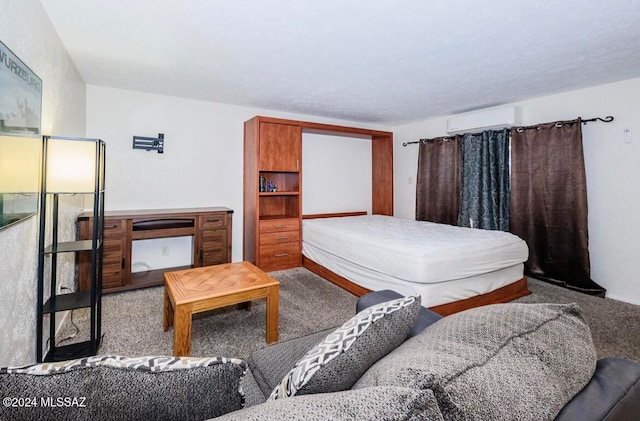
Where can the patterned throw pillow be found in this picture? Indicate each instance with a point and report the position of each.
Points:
(156, 364)
(345, 354)
(113, 387)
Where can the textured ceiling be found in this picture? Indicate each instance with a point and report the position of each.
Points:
(381, 61)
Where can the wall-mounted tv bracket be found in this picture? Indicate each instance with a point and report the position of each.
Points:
(149, 143)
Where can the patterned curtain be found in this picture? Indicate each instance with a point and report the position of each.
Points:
(484, 201)
(549, 203)
(438, 180)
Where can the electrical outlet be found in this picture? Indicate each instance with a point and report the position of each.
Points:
(164, 251)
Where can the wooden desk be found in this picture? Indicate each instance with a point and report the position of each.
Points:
(192, 291)
(211, 229)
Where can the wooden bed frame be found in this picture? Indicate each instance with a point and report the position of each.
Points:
(501, 295)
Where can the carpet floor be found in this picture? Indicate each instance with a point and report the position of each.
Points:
(132, 321)
(615, 325)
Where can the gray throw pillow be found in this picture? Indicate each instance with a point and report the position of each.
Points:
(111, 387)
(270, 364)
(504, 361)
(339, 360)
(373, 403)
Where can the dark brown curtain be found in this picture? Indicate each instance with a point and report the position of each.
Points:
(549, 203)
(438, 180)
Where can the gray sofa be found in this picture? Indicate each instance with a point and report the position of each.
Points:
(610, 392)
(394, 360)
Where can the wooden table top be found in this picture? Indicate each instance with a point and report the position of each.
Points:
(206, 282)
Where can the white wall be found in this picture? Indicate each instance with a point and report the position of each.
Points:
(26, 30)
(338, 168)
(202, 163)
(612, 167)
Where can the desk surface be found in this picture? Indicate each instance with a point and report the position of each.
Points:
(134, 213)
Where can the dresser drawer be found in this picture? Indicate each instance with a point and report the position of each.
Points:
(214, 247)
(279, 225)
(279, 237)
(112, 263)
(112, 252)
(111, 276)
(213, 221)
(114, 228)
(214, 257)
(214, 239)
(280, 256)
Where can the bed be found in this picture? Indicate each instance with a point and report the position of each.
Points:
(452, 268)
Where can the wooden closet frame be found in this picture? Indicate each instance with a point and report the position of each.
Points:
(382, 173)
(381, 185)
(381, 161)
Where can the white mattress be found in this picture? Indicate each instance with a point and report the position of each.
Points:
(432, 294)
(413, 251)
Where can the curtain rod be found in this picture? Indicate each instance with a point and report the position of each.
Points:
(607, 119)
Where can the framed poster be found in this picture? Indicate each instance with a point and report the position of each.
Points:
(21, 98)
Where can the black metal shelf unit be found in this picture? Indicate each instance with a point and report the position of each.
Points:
(82, 173)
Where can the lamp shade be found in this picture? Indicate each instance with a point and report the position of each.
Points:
(19, 164)
(70, 166)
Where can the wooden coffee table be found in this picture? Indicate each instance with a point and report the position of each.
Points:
(191, 291)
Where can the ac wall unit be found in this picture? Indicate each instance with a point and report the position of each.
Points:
(497, 118)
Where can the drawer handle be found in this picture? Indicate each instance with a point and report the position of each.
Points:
(281, 226)
(282, 238)
(282, 254)
(110, 226)
(213, 220)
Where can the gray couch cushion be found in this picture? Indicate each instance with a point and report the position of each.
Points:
(252, 393)
(375, 403)
(270, 364)
(505, 361)
(345, 354)
(108, 387)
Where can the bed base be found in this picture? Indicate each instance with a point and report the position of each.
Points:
(501, 295)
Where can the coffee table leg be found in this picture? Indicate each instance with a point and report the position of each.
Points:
(272, 314)
(167, 312)
(182, 331)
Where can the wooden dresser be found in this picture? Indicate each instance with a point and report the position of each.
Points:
(211, 229)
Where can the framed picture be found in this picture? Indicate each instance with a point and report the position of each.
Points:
(21, 99)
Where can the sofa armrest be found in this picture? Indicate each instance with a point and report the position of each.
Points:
(425, 318)
(612, 394)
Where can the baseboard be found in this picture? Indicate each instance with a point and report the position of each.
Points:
(623, 299)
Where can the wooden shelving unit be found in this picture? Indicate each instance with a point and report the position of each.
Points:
(272, 219)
